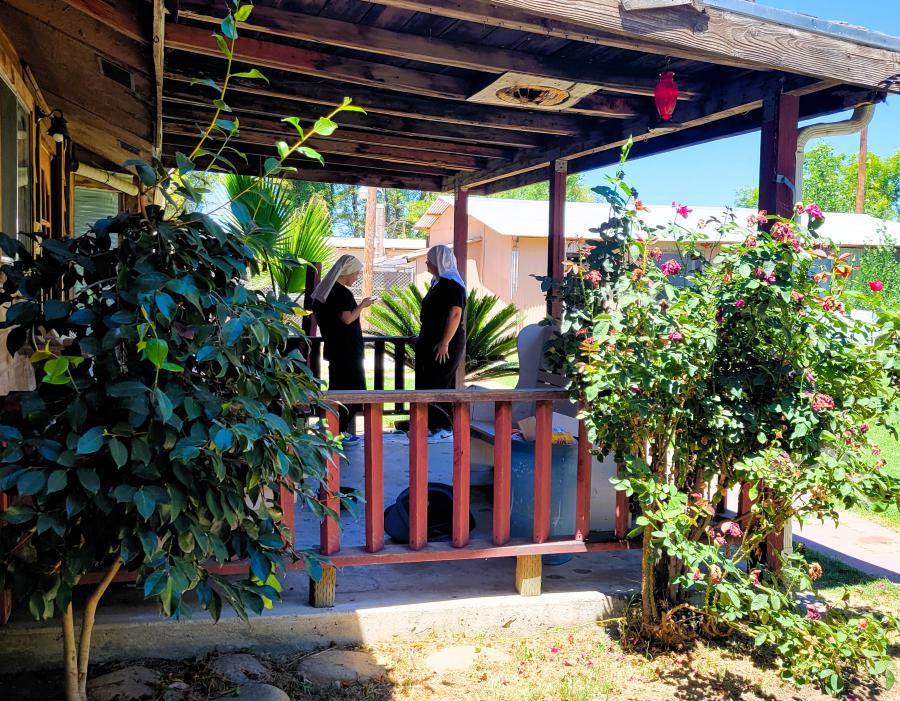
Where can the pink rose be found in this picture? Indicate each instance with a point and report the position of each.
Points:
(682, 210)
(670, 267)
(821, 402)
(675, 336)
(812, 613)
(813, 211)
(594, 277)
(876, 285)
(739, 303)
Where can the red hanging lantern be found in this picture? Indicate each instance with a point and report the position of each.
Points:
(666, 94)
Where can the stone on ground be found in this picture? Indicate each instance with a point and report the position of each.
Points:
(257, 692)
(240, 668)
(461, 658)
(126, 684)
(341, 667)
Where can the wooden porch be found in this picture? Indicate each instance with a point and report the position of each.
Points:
(457, 99)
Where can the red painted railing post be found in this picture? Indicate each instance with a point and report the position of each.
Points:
(461, 465)
(502, 463)
(418, 475)
(288, 518)
(543, 456)
(583, 485)
(330, 530)
(373, 452)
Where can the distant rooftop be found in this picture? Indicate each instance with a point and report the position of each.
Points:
(530, 218)
(392, 244)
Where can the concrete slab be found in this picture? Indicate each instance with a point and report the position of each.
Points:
(374, 603)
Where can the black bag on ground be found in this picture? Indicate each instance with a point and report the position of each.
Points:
(440, 514)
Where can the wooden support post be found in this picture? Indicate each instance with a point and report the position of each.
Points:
(502, 470)
(778, 154)
(379, 365)
(556, 241)
(418, 475)
(313, 274)
(288, 518)
(322, 593)
(528, 575)
(583, 485)
(543, 456)
(373, 454)
(461, 475)
(461, 251)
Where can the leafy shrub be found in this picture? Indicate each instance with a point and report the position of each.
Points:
(751, 373)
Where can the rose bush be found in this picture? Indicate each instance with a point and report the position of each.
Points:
(751, 373)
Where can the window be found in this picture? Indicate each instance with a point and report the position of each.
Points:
(15, 163)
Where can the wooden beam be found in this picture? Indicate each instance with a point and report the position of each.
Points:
(278, 128)
(556, 239)
(247, 104)
(739, 98)
(287, 87)
(429, 49)
(329, 145)
(716, 35)
(461, 253)
(333, 161)
(159, 38)
(125, 16)
(811, 106)
(293, 59)
(778, 154)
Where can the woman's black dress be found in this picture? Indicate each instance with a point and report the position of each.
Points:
(343, 346)
(430, 374)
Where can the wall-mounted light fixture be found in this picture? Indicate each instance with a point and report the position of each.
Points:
(57, 129)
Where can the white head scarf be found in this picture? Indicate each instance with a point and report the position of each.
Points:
(442, 258)
(346, 265)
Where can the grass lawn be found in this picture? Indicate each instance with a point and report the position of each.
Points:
(866, 591)
(890, 451)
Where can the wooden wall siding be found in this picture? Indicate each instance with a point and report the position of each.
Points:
(413, 65)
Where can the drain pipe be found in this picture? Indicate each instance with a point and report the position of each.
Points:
(118, 181)
(860, 119)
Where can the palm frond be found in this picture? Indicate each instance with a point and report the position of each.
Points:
(490, 331)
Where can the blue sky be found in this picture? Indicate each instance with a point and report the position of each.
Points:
(710, 174)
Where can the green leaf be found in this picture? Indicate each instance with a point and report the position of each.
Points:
(30, 482)
(311, 153)
(145, 173)
(223, 439)
(91, 441)
(118, 451)
(185, 164)
(271, 166)
(20, 513)
(10, 433)
(223, 45)
(55, 309)
(126, 388)
(353, 108)
(89, 479)
(282, 148)
(252, 73)
(144, 503)
(228, 27)
(243, 12)
(163, 404)
(325, 126)
(221, 105)
(58, 480)
(295, 121)
(206, 81)
(156, 350)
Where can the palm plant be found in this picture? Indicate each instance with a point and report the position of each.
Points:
(490, 332)
(286, 238)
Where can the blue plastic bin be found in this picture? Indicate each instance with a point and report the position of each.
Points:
(563, 472)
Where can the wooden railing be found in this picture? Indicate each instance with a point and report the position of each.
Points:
(461, 545)
(394, 346)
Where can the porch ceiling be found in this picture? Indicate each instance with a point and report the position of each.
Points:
(414, 65)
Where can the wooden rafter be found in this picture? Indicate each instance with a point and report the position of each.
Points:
(327, 145)
(246, 106)
(478, 57)
(279, 130)
(715, 35)
(267, 54)
(394, 104)
(123, 16)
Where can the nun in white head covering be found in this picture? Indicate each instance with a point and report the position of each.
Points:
(442, 338)
(337, 314)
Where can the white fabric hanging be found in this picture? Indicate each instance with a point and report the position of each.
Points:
(346, 265)
(442, 258)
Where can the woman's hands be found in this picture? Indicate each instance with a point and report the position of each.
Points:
(442, 352)
(366, 302)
